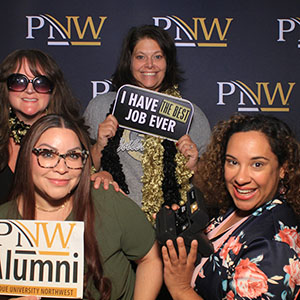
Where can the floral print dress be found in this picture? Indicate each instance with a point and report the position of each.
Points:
(260, 259)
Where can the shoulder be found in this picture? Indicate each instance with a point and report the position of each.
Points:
(200, 118)
(99, 105)
(101, 100)
(274, 214)
(108, 197)
(200, 129)
(116, 204)
(282, 209)
(8, 210)
(273, 224)
(280, 230)
(119, 214)
(198, 111)
(96, 111)
(286, 227)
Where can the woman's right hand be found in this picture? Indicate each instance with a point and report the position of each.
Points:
(106, 130)
(105, 178)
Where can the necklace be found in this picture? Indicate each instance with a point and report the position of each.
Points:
(50, 210)
(18, 128)
(161, 184)
(165, 177)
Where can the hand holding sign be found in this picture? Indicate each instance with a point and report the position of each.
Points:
(152, 113)
(189, 149)
(106, 130)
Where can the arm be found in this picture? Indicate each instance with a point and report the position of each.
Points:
(200, 129)
(178, 270)
(148, 275)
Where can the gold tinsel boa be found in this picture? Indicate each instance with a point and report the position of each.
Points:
(152, 163)
(17, 128)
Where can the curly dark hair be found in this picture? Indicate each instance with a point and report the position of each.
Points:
(210, 174)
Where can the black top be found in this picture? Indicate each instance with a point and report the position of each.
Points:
(6, 180)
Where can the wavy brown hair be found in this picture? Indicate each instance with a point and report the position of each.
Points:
(210, 174)
(61, 101)
(83, 208)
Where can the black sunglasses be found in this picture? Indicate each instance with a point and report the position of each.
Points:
(19, 82)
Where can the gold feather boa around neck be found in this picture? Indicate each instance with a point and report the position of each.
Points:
(17, 128)
(152, 164)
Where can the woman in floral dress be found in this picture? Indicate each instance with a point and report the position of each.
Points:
(251, 172)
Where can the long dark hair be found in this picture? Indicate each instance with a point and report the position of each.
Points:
(83, 208)
(61, 99)
(210, 173)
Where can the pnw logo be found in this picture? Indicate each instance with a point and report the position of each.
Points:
(264, 97)
(203, 33)
(41, 258)
(287, 26)
(74, 32)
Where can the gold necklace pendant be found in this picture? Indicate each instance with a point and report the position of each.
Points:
(50, 210)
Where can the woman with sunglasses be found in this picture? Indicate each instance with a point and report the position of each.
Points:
(52, 182)
(31, 85)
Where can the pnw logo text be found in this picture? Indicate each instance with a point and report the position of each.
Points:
(41, 258)
(72, 31)
(286, 28)
(203, 32)
(263, 96)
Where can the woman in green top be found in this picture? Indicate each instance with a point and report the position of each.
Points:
(52, 182)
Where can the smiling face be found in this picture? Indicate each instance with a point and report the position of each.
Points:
(56, 183)
(251, 169)
(148, 64)
(28, 105)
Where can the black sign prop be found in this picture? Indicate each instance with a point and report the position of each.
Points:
(152, 113)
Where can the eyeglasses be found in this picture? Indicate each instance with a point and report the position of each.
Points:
(19, 82)
(48, 158)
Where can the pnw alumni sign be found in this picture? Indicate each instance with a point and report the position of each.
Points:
(43, 258)
(152, 113)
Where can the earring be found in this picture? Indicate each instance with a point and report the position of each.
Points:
(283, 188)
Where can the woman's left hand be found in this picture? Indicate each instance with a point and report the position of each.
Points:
(178, 269)
(189, 149)
(105, 178)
